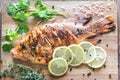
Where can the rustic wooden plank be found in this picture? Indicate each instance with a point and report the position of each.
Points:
(77, 73)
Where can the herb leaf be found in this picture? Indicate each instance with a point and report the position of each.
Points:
(40, 5)
(24, 4)
(11, 10)
(11, 35)
(22, 28)
(45, 15)
(21, 16)
(7, 46)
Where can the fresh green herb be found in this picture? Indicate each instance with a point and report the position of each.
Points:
(23, 28)
(24, 4)
(11, 10)
(21, 11)
(21, 16)
(21, 72)
(10, 35)
(7, 46)
(43, 13)
(39, 4)
(14, 11)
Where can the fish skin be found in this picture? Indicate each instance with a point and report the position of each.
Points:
(39, 43)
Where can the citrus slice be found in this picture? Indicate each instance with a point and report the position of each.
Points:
(89, 50)
(100, 58)
(64, 52)
(78, 55)
(58, 66)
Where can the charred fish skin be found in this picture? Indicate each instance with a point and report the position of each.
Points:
(40, 41)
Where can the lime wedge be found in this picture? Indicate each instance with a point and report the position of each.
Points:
(78, 55)
(64, 52)
(89, 50)
(100, 58)
(58, 66)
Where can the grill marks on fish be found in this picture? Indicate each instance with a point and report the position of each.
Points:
(43, 39)
(84, 21)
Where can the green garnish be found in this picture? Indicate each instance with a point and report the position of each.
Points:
(23, 28)
(21, 11)
(10, 35)
(39, 4)
(16, 10)
(7, 46)
(43, 13)
(20, 72)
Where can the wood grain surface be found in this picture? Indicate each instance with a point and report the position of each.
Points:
(81, 72)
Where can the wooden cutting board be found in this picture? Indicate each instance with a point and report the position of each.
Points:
(107, 72)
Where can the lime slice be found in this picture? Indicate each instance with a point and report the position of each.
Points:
(58, 66)
(100, 58)
(89, 50)
(78, 55)
(64, 52)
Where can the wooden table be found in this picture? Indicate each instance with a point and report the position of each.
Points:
(102, 74)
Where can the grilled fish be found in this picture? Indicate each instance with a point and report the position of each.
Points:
(39, 43)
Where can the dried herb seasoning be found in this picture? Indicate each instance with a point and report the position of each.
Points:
(20, 72)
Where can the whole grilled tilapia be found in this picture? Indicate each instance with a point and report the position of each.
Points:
(39, 43)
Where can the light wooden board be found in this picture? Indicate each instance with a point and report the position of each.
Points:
(77, 72)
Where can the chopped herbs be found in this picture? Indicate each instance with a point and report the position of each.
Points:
(21, 72)
(7, 46)
(20, 12)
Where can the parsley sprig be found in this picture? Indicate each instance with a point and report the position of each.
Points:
(20, 12)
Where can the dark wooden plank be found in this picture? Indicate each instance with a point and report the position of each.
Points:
(118, 15)
(0, 28)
